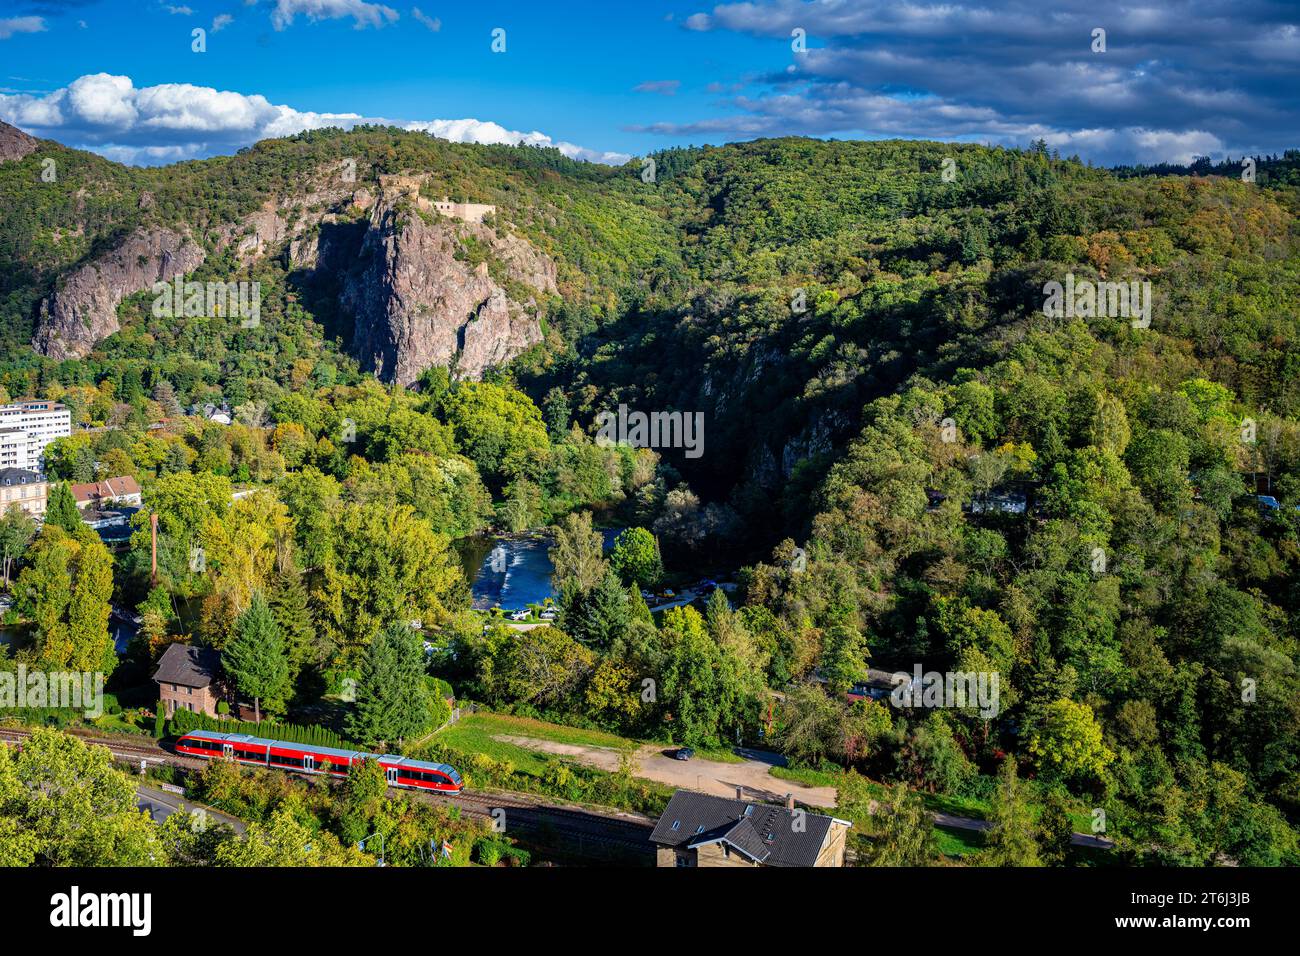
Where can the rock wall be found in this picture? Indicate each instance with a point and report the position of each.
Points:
(15, 144)
(417, 305)
(83, 309)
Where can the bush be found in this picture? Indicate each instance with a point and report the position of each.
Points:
(183, 721)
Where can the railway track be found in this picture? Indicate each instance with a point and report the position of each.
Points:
(509, 811)
(150, 752)
(518, 812)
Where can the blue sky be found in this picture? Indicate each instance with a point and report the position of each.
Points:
(608, 80)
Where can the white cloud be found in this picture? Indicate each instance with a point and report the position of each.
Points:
(487, 132)
(364, 14)
(1201, 77)
(12, 25)
(171, 121)
(663, 87)
(221, 21)
(433, 23)
(103, 100)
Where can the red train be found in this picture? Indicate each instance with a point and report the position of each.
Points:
(304, 758)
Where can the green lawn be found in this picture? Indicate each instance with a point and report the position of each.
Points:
(476, 732)
(954, 842)
(806, 776)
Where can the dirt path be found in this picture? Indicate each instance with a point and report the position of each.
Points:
(710, 776)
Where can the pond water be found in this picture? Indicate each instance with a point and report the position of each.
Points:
(16, 638)
(514, 571)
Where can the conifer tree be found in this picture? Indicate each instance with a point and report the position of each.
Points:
(255, 656)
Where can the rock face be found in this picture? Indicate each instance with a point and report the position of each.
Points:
(15, 144)
(403, 275)
(416, 304)
(83, 310)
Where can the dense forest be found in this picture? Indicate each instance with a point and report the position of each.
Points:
(906, 463)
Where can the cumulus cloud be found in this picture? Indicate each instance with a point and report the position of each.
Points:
(478, 131)
(362, 13)
(156, 124)
(11, 25)
(1200, 76)
(221, 21)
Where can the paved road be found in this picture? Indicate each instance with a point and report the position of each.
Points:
(161, 804)
(965, 823)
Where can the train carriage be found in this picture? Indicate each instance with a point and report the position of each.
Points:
(305, 758)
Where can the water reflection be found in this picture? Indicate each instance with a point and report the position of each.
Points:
(514, 571)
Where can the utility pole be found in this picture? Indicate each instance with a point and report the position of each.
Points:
(153, 535)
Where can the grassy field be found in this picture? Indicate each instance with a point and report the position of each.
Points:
(477, 733)
(959, 843)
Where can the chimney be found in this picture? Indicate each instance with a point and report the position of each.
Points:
(740, 793)
(789, 801)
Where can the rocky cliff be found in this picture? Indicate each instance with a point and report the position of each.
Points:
(83, 309)
(15, 144)
(415, 293)
(418, 302)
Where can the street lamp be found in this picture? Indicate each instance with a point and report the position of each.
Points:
(362, 846)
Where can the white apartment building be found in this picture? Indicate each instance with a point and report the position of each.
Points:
(26, 427)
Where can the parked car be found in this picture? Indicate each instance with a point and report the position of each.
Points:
(521, 615)
(683, 753)
(547, 615)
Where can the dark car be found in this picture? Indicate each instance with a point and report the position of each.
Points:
(683, 753)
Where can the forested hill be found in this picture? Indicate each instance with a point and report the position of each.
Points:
(911, 458)
(777, 286)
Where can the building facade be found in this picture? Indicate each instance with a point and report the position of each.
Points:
(26, 427)
(189, 678)
(468, 211)
(26, 489)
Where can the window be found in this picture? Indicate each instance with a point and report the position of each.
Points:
(683, 860)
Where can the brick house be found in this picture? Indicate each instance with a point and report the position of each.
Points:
(189, 678)
(699, 829)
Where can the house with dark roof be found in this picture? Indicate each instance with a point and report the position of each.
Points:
(189, 678)
(699, 829)
(26, 489)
